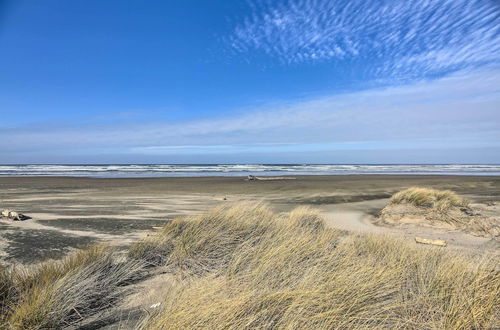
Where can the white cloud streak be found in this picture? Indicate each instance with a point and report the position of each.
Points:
(460, 110)
(390, 38)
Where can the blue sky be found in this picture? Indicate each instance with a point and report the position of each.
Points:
(298, 81)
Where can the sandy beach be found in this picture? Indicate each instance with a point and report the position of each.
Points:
(72, 213)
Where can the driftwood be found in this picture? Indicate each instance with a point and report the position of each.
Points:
(437, 242)
(13, 215)
(268, 178)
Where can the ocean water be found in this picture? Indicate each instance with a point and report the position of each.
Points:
(124, 171)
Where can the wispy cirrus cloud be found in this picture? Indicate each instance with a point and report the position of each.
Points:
(392, 38)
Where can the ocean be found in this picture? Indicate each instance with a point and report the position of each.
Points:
(129, 171)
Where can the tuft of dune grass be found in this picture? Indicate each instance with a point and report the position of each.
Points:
(57, 294)
(440, 200)
(291, 272)
(205, 242)
(8, 293)
(439, 207)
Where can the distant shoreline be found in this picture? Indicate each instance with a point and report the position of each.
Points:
(244, 177)
(240, 170)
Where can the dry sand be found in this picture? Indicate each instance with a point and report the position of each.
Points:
(71, 213)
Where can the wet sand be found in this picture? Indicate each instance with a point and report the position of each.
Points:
(71, 213)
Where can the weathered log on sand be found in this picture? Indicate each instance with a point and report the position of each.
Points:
(437, 242)
(268, 178)
(13, 215)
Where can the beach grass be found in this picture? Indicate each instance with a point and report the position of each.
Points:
(439, 208)
(440, 200)
(244, 267)
(8, 293)
(241, 266)
(57, 294)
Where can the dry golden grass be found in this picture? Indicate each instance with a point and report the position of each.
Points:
(440, 200)
(205, 242)
(61, 293)
(439, 207)
(244, 267)
(8, 294)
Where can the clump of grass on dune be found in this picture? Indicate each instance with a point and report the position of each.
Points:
(439, 207)
(8, 293)
(61, 293)
(441, 200)
(205, 242)
(290, 272)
